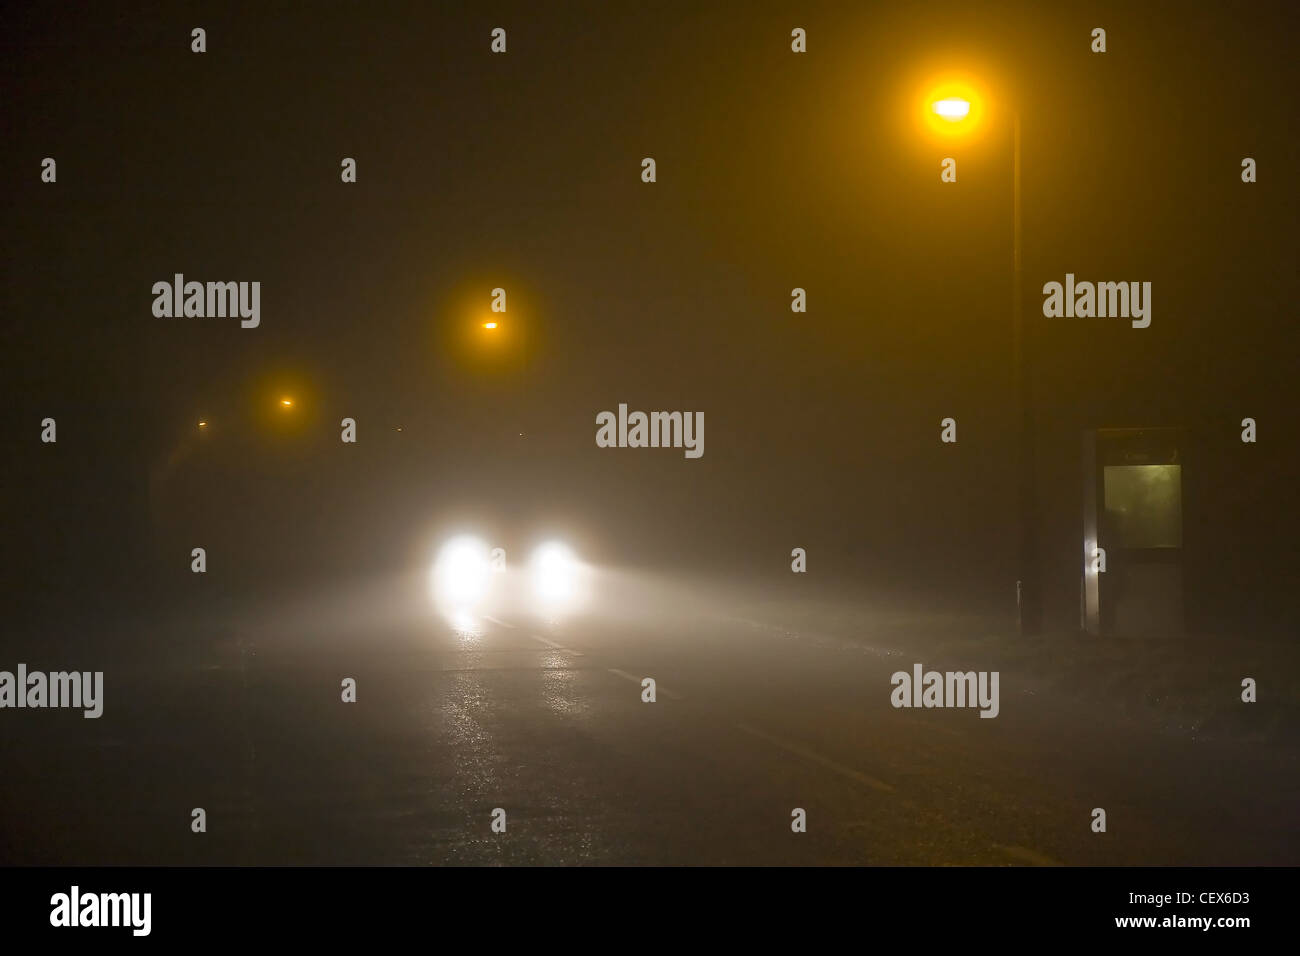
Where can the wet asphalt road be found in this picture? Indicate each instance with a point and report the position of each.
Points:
(546, 721)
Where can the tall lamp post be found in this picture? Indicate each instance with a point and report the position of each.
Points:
(953, 110)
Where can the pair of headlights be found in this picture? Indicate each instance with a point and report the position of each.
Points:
(465, 571)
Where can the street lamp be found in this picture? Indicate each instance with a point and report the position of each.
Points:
(955, 109)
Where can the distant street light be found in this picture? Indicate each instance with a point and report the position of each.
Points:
(286, 402)
(953, 108)
(202, 425)
(489, 325)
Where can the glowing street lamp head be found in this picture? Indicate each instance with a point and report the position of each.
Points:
(286, 403)
(952, 106)
(489, 325)
(954, 109)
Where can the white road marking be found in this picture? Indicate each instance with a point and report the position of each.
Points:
(659, 688)
(817, 758)
(502, 623)
(558, 647)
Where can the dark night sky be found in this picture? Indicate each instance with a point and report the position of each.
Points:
(522, 171)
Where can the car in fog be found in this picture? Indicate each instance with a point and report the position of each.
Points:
(470, 578)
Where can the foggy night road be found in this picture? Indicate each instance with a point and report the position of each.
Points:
(547, 723)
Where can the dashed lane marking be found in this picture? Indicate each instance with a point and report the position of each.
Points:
(558, 647)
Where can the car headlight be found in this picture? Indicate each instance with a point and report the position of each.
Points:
(462, 574)
(556, 575)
